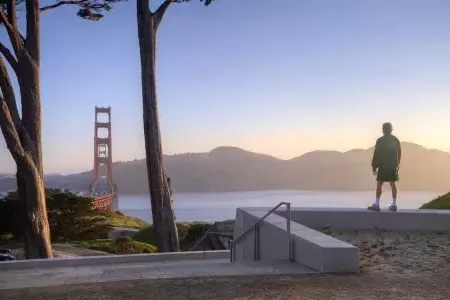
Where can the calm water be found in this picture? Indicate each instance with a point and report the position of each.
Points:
(221, 206)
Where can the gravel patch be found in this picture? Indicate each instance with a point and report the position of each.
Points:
(405, 253)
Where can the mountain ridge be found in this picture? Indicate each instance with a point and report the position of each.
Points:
(227, 169)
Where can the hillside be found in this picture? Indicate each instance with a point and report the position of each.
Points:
(234, 169)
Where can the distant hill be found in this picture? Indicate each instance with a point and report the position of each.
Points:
(233, 169)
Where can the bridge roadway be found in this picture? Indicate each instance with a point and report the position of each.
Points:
(104, 201)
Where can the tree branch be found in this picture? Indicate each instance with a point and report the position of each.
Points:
(13, 33)
(12, 138)
(60, 3)
(159, 13)
(8, 95)
(9, 57)
(11, 10)
(10, 133)
(32, 39)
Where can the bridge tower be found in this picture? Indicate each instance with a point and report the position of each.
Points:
(103, 157)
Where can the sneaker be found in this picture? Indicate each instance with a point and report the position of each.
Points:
(393, 208)
(374, 207)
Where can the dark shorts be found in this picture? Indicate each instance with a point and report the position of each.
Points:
(387, 175)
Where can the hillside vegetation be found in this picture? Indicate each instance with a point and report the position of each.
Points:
(441, 202)
(122, 245)
(188, 234)
(72, 219)
(118, 219)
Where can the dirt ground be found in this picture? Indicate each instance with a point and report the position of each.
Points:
(394, 265)
(245, 288)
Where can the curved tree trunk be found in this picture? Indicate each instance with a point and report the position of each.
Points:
(31, 195)
(30, 181)
(161, 200)
(23, 135)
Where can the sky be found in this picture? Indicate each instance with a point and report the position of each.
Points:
(275, 77)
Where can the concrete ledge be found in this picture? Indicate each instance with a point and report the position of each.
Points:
(110, 259)
(348, 218)
(311, 248)
(217, 254)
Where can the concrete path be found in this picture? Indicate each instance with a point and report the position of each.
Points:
(40, 277)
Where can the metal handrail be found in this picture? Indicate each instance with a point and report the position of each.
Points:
(256, 228)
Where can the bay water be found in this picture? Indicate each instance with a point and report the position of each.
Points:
(210, 207)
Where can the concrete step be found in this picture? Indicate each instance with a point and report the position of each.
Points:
(40, 277)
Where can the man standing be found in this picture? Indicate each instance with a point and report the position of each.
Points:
(385, 165)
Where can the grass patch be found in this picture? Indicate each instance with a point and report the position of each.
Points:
(123, 245)
(188, 233)
(7, 241)
(441, 202)
(118, 219)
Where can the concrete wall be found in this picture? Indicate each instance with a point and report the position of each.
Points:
(111, 259)
(311, 248)
(348, 218)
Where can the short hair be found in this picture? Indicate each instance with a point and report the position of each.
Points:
(387, 127)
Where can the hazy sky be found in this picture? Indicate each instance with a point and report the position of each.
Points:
(278, 77)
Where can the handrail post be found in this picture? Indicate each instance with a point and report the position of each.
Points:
(256, 249)
(288, 227)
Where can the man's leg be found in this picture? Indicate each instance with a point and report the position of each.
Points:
(394, 195)
(379, 192)
(376, 205)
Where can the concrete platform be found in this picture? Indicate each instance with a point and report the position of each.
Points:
(310, 248)
(40, 277)
(315, 249)
(356, 218)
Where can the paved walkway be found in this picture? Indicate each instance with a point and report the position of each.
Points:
(134, 271)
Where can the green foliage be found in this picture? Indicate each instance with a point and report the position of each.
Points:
(441, 202)
(118, 219)
(94, 9)
(6, 238)
(145, 235)
(188, 233)
(87, 9)
(9, 218)
(123, 245)
(70, 216)
(206, 2)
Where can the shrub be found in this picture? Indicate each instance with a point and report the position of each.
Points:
(441, 202)
(188, 233)
(118, 219)
(70, 217)
(123, 245)
(6, 238)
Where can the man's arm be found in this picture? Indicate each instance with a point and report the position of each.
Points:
(376, 154)
(399, 152)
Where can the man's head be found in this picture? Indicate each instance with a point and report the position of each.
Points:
(387, 128)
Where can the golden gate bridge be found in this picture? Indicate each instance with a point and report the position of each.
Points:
(103, 190)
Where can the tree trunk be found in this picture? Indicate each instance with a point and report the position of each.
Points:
(164, 224)
(23, 135)
(30, 182)
(31, 195)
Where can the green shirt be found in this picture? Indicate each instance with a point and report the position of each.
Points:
(387, 152)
